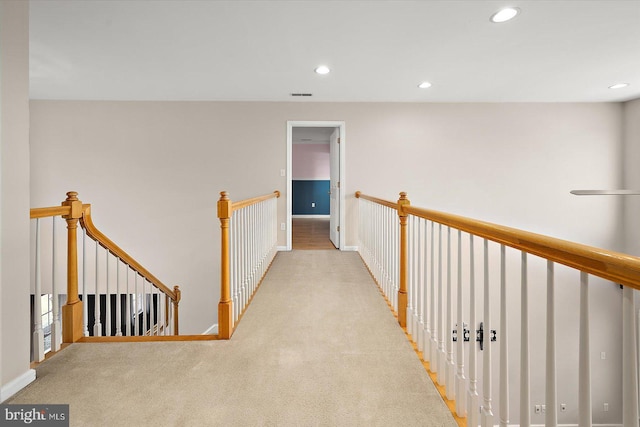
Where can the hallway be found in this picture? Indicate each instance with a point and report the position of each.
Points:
(310, 233)
(318, 346)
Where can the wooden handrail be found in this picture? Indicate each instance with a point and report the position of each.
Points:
(50, 211)
(614, 266)
(248, 202)
(87, 223)
(387, 203)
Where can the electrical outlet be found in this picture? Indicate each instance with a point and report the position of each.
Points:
(544, 409)
(603, 355)
(563, 407)
(538, 409)
(313, 204)
(282, 172)
(605, 407)
(283, 226)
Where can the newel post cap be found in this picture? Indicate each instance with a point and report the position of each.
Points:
(402, 202)
(75, 204)
(224, 205)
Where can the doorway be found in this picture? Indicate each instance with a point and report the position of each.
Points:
(314, 196)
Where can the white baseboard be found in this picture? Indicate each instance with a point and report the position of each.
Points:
(312, 216)
(16, 385)
(213, 330)
(350, 248)
(281, 248)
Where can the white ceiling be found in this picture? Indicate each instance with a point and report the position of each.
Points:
(311, 135)
(565, 51)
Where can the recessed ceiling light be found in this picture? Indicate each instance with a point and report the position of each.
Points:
(619, 86)
(322, 69)
(504, 15)
(424, 85)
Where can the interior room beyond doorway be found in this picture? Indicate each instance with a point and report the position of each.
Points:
(311, 165)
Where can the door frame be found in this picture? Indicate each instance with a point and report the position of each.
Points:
(343, 137)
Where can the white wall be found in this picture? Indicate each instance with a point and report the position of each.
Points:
(153, 170)
(631, 126)
(310, 162)
(158, 167)
(14, 197)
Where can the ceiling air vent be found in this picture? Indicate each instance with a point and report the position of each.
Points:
(301, 94)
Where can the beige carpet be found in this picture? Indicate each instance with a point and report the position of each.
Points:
(317, 347)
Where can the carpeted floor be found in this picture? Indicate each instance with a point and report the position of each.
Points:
(317, 347)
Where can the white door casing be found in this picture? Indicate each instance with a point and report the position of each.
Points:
(334, 188)
(341, 175)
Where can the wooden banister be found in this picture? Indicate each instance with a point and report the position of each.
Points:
(399, 206)
(87, 223)
(74, 211)
(226, 208)
(614, 266)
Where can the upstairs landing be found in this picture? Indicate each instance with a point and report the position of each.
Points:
(318, 346)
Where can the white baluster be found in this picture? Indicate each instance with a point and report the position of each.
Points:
(461, 409)
(410, 282)
(629, 360)
(85, 281)
(487, 410)
(504, 347)
(136, 305)
(107, 314)
(584, 360)
(118, 302)
(420, 285)
(97, 326)
(145, 309)
(433, 344)
(162, 300)
(450, 366)
(235, 288)
(246, 253)
(525, 377)
(426, 353)
(244, 242)
(56, 327)
(551, 411)
(440, 312)
(472, 397)
(38, 333)
(127, 320)
(394, 225)
(156, 311)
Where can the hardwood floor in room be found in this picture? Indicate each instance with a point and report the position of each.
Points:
(311, 233)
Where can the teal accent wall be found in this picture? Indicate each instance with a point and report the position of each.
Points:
(306, 192)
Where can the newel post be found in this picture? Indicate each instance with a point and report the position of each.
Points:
(404, 263)
(178, 293)
(72, 311)
(225, 310)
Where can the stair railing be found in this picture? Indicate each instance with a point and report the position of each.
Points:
(249, 236)
(427, 264)
(126, 299)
